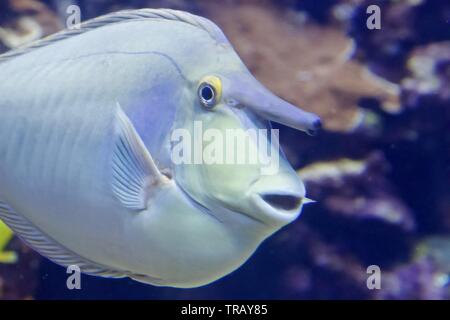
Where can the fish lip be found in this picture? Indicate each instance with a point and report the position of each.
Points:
(278, 216)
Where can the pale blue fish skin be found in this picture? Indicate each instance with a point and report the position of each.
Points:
(63, 109)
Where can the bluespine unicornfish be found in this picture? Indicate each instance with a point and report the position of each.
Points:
(87, 176)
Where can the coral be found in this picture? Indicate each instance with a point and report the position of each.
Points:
(417, 280)
(429, 78)
(23, 21)
(324, 80)
(405, 25)
(357, 189)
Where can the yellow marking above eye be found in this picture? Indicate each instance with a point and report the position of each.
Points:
(214, 82)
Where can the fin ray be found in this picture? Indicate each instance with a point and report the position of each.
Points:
(134, 171)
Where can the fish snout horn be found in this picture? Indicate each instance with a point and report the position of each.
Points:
(251, 93)
(280, 111)
(316, 127)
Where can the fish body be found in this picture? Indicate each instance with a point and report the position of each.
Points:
(85, 151)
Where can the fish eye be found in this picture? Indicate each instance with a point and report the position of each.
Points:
(209, 91)
(207, 95)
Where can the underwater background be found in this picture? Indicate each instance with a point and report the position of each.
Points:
(380, 170)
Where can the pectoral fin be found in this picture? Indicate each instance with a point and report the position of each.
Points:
(134, 171)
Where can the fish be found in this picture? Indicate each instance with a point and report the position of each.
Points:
(87, 171)
(6, 257)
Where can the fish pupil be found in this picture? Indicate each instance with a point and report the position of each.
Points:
(207, 93)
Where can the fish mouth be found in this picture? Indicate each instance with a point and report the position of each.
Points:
(279, 208)
(285, 202)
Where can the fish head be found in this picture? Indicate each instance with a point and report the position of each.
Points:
(234, 161)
